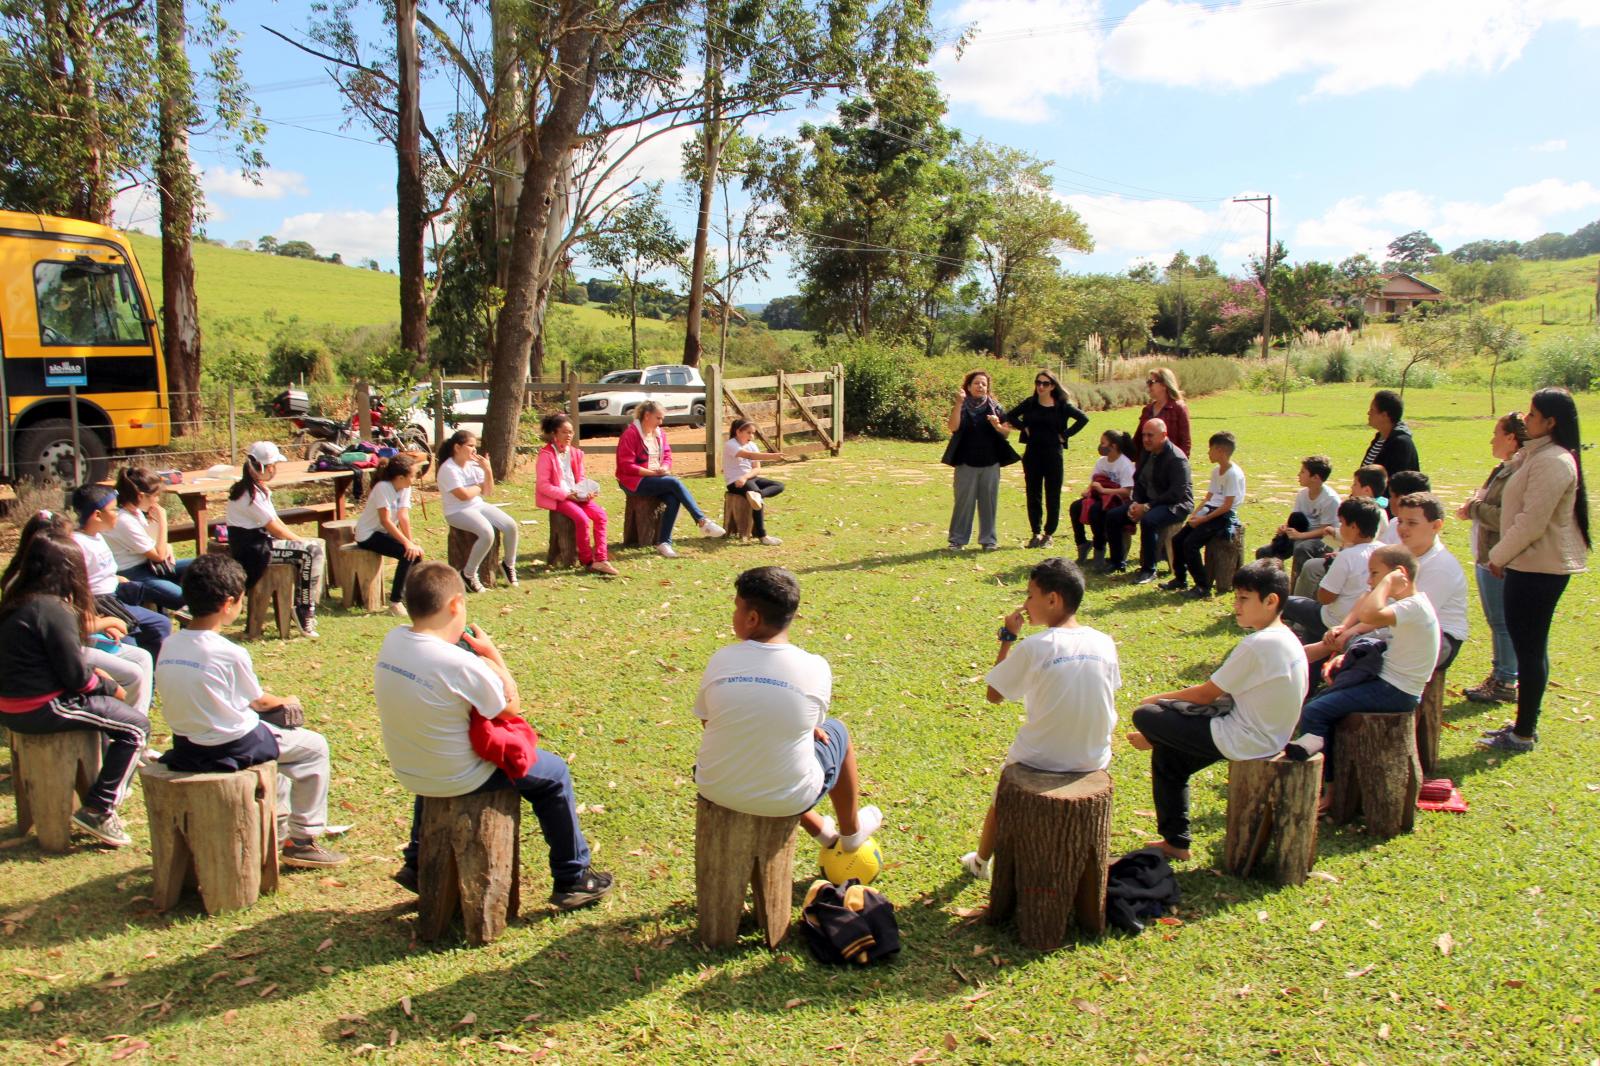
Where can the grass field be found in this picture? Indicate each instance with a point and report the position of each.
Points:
(1348, 968)
(1561, 297)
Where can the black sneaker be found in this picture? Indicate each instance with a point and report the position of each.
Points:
(104, 826)
(308, 854)
(472, 582)
(1045, 540)
(1144, 577)
(406, 878)
(1200, 593)
(1177, 584)
(510, 572)
(580, 893)
(1083, 554)
(1033, 541)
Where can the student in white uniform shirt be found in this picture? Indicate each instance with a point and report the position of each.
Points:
(257, 537)
(1217, 517)
(740, 461)
(385, 524)
(95, 507)
(1345, 578)
(215, 707)
(139, 539)
(1370, 482)
(466, 480)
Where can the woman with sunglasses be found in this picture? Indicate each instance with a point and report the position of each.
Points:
(1166, 403)
(1047, 419)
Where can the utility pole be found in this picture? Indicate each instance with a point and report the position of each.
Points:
(1266, 301)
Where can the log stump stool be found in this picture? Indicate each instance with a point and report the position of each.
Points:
(641, 521)
(1430, 722)
(1273, 802)
(51, 774)
(216, 832)
(563, 550)
(738, 517)
(460, 550)
(273, 591)
(361, 577)
(1376, 772)
(1222, 559)
(1052, 852)
(335, 534)
(732, 850)
(469, 858)
(1164, 550)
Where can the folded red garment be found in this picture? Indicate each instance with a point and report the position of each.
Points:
(1441, 795)
(508, 742)
(1436, 790)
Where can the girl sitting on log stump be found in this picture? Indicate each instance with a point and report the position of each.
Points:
(385, 524)
(1263, 679)
(563, 489)
(1066, 677)
(739, 458)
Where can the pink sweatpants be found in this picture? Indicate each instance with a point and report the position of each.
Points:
(590, 519)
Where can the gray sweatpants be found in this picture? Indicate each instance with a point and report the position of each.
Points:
(976, 486)
(302, 782)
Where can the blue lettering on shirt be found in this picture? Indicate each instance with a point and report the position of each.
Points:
(407, 674)
(190, 663)
(1060, 659)
(751, 679)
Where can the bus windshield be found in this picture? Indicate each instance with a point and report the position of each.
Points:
(87, 303)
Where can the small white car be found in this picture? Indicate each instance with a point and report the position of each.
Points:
(468, 407)
(633, 387)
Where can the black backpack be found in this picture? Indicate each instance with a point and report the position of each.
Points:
(849, 923)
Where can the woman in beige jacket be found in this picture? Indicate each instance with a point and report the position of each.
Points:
(1544, 535)
(1483, 508)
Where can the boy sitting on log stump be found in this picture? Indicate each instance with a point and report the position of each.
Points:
(1264, 680)
(223, 722)
(769, 747)
(1066, 677)
(428, 687)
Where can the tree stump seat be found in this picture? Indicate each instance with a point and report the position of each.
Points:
(563, 551)
(273, 591)
(731, 851)
(1272, 808)
(460, 550)
(1052, 853)
(641, 521)
(1222, 556)
(361, 577)
(1430, 722)
(738, 517)
(51, 773)
(1375, 772)
(468, 861)
(335, 534)
(215, 832)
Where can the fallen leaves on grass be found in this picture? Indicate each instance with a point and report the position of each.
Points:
(326, 944)
(1316, 926)
(468, 1019)
(405, 1005)
(1445, 943)
(1353, 974)
(130, 1048)
(1087, 1007)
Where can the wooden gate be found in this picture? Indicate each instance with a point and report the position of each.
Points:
(796, 414)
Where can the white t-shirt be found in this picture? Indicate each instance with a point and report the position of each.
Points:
(384, 497)
(1323, 510)
(1347, 579)
(253, 510)
(1413, 644)
(424, 690)
(564, 469)
(207, 683)
(760, 703)
(452, 476)
(1066, 678)
(130, 538)
(652, 444)
(1266, 676)
(1439, 575)
(1222, 486)
(102, 565)
(1120, 471)
(734, 464)
(1388, 532)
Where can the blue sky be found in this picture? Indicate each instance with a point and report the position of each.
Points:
(1363, 118)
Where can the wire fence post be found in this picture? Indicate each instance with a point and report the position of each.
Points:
(438, 408)
(713, 426)
(363, 410)
(77, 445)
(233, 431)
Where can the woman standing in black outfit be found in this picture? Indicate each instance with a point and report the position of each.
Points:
(1048, 419)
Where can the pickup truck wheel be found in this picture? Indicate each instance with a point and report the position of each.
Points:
(697, 415)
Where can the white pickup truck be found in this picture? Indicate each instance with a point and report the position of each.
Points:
(633, 387)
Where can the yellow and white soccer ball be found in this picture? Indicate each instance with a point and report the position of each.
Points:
(863, 864)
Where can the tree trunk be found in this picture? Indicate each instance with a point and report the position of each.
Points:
(180, 314)
(1273, 801)
(633, 317)
(1052, 851)
(511, 162)
(410, 196)
(578, 61)
(91, 200)
(1376, 772)
(712, 134)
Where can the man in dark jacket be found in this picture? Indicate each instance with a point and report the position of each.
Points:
(1392, 447)
(1163, 495)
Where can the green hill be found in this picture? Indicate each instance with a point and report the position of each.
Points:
(1561, 296)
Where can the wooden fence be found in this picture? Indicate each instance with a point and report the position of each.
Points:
(797, 414)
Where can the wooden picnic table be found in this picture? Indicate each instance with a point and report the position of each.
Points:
(196, 490)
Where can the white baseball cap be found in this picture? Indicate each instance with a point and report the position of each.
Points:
(265, 453)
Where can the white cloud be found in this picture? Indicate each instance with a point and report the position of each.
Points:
(1349, 46)
(355, 235)
(1150, 229)
(1522, 214)
(1555, 144)
(1008, 71)
(273, 184)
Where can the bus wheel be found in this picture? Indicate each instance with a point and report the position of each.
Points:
(44, 452)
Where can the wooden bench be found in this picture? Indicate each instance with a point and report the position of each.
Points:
(289, 516)
(641, 521)
(459, 550)
(1430, 722)
(335, 534)
(1272, 806)
(216, 832)
(563, 550)
(1052, 852)
(274, 591)
(362, 578)
(51, 775)
(738, 517)
(1222, 557)
(731, 851)
(468, 860)
(1375, 773)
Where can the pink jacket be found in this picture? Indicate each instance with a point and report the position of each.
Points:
(547, 476)
(632, 457)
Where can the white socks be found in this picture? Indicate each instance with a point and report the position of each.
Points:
(868, 821)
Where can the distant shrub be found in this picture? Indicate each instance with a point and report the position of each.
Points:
(1571, 360)
(297, 353)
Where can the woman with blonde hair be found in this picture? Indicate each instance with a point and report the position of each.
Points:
(1166, 403)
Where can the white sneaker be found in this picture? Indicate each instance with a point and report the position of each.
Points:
(975, 866)
(757, 501)
(664, 549)
(708, 528)
(771, 541)
(830, 833)
(868, 821)
(397, 609)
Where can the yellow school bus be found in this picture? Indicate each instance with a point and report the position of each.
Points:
(75, 316)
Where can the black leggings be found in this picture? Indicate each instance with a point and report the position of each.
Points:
(385, 545)
(768, 489)
(1530, 609)
(1041, 472)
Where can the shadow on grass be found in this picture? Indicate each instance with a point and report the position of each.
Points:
(874, 562)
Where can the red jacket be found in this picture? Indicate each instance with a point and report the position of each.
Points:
(505, 740)
(632, 458)
(1176, 416)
